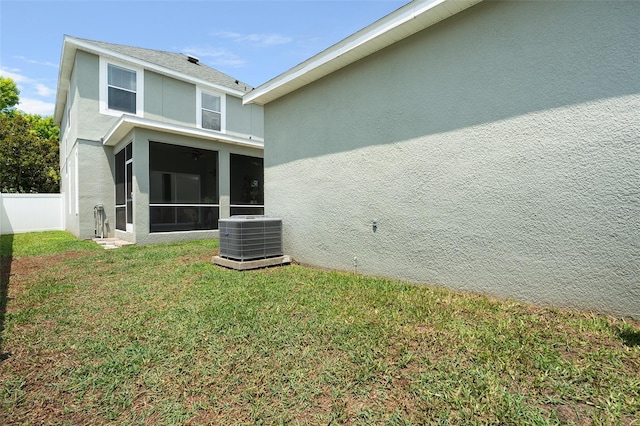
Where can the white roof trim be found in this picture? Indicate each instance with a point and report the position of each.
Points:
(408, 20)
(71, 45)
(130, 122)
(64, 80)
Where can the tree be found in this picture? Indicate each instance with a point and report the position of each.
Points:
(9, 95)
(43, 126)
(28, 162)
(29, 156)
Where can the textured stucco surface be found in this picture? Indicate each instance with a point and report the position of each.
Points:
(68, 133)
(93, 162)
(499, 152)
(244, 120)
(169, 100)
(95, 165)
(90, 124)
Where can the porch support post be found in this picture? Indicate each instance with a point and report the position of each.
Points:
(224, 183)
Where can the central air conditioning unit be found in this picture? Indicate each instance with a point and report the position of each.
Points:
(250, 237)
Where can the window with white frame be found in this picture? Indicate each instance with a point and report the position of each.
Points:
(121, 84)
(210, 111)
(120, 89)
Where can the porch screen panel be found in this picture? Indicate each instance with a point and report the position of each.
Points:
(183, 188)
(129, 192)
(247, 185)
(120, 192)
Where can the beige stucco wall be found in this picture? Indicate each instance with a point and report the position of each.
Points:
(498, 151)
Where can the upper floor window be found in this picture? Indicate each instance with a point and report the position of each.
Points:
(211, 114)
(210, 108)
(120, 89)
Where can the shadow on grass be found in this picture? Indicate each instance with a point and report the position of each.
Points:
(6, 256)
(629, 336)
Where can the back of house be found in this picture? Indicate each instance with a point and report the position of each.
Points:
(155, 146)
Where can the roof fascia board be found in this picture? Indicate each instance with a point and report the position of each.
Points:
(64, 78)
(354, 46)
(126, 123)
(151, 66)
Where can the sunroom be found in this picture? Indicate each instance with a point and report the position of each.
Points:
(173, 183)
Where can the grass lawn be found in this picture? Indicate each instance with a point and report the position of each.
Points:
(160, 335)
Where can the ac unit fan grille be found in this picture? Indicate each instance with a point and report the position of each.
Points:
(250, 237)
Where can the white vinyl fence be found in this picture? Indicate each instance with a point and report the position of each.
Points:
(31, 213)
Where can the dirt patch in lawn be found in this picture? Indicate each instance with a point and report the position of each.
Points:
(28, 264)
(18, 269)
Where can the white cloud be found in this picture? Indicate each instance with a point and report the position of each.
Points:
(13, 74)
(219, 56)
(259, 40)
(36, 106)
(228, 34)
(44, 90)
(266, 40)
(33, 61)
(30, 87)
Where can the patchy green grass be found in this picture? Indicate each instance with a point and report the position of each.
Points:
(160, 335)
(42, 243)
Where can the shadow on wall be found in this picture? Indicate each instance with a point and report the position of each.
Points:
(492, 62)
(6, 256)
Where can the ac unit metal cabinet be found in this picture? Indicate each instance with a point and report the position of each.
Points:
(250, 237)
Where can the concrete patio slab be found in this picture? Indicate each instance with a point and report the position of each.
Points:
(251, 264)
(111, 243)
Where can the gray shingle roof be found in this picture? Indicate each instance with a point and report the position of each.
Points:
(174, 61)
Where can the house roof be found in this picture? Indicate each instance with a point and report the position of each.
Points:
(404, 22)
(168, 63)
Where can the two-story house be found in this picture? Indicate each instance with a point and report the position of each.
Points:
(154, 145)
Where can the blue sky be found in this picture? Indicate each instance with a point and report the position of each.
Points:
(252, 41)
